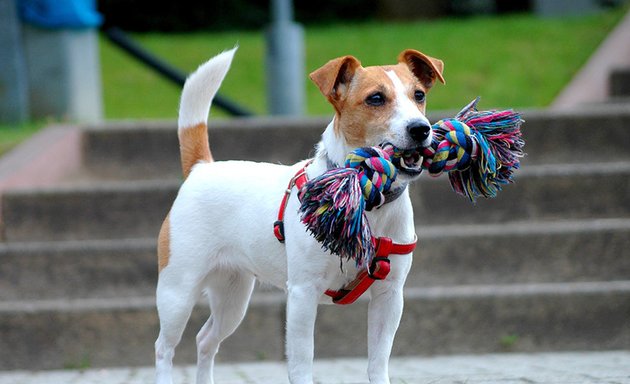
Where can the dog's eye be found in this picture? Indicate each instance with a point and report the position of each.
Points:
(419, 96)
(376, 99)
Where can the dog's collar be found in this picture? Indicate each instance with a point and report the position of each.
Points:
(380, 265)
(395, 193)
(330, 164)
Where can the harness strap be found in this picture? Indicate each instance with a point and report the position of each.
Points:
(298, 181)
(379, 267)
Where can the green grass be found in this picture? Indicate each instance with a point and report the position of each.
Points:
(12, 135)
(515, 61)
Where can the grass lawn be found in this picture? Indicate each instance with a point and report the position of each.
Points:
(511, 61)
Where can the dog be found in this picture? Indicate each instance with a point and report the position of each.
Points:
(217, 238)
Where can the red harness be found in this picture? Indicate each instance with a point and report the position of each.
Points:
(379, 268)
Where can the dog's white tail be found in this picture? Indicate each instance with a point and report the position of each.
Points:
(199, 90)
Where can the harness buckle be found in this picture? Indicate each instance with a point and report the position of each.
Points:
(278, 230)
(380, 266)
(379, 269)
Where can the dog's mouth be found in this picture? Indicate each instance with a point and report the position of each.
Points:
(410, 162)
(407, 161)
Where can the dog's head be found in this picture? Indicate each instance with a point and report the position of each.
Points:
(381, 104)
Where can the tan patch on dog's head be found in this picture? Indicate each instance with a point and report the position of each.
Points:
(364, 98)
(164, 244)
(360, 122)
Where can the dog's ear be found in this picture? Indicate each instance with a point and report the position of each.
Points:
(333, 78)
(427, 69)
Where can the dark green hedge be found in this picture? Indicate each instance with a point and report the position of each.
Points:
(193, 15)
(190, 15)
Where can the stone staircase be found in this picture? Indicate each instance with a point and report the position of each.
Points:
(543, 267)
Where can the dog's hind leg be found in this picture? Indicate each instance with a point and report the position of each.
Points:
(175, 302)
(228, 293)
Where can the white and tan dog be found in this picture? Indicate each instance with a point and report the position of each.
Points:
(218, 238)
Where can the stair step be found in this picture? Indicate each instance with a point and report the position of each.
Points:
(140, 150)
(67, 333)
(522, 252)
(93, 211)
(135, 209)
(592, 134)
(619, 82)
(437, 320)
(151, 150)
(78, 269)
(554, 192)
(517, 252)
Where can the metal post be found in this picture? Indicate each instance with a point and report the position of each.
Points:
(285, 61)
(62, 58)
(67, 83)
(14, 106)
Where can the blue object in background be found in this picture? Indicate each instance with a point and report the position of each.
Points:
(60, 13)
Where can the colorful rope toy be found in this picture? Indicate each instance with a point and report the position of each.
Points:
(479, 150)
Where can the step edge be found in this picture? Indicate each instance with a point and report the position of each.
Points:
(621, 168)
(424, 232)
(518, 290)
(266, 298)
(524, 228)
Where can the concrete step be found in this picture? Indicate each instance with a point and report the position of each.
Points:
(522, 252)
(140, 150)
(619, 100)
(517, 252)
(619, 82)
(134, 209)
(544, 192)
(95, 211)
(78, 269)
(437, 320)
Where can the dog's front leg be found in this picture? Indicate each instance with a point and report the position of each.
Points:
(384, 313)
(301, 313)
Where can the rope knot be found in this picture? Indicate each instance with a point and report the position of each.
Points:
(376, 173)
(455, 148)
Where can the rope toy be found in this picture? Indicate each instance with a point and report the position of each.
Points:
(484, 148)
(479, 150)
(334, 204)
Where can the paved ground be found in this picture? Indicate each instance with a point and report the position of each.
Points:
(591, 83)
(553, 368)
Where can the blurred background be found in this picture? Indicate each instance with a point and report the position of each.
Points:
(89, 92)
(512, 53)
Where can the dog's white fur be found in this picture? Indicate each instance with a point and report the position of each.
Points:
(217, 238)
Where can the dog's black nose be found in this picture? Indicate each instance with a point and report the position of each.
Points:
(419, 130)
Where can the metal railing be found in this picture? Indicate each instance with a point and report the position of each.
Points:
(123, 41)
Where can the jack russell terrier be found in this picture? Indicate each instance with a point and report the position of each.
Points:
(218, 237)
